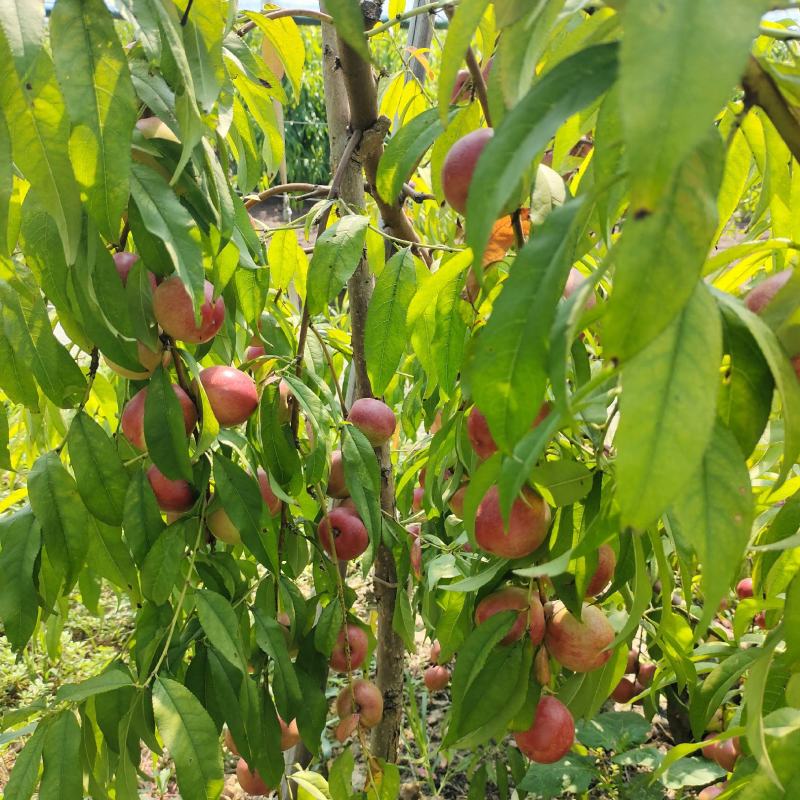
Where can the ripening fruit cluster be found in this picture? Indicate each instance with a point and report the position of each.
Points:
(232, 394)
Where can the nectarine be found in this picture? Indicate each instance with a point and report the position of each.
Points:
(527, 527)
(232, 394)
(346, 529)
(510, 598)
(551, 735)
(170, 495)
(365, 699)
(174, 312)
(132, 419)
(359, 643)
(579, 645)
(459, 166)
(374, 419)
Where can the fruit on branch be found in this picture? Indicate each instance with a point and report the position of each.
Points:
(712, 792)
(604, 572)
(346, 727)
(436, 651)
(154, 128)
(132, 419)
(760, 620)
(124, 262)
(222, 527)
(632, 666)
(723, 753)
(359, 644)
(416, 500)
(527, 525)
(148, 358)
(251, 782)
(229, 743)
(541, 667)
(762, 295)
(374, 419)
(273, 502)
(336, 485)
(462, 86)
(172, 306)
(480, 437)
(509, 598)
(232, 394)
(624, 691)
(170, 495)
(290, 735)
(575, 280)
(551, 735)
(436, 678)
(253, 352)
(579, 644)
(536, 620)
(744, 588)
(456, 501)
(646, 674)
(346, 531)
(416, 558)
(459, 166)
(365, 699)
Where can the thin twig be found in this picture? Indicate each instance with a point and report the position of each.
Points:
(309, 189)
(429, 8)
(329, 360)
(185, 17)
(180, 370)
(287, 12)
(519, 233)
(479, 85)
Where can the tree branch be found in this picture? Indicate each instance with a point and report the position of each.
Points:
(761, 90)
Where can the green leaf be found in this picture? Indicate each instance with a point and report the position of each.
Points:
(28, 326)
(62, 776)
(25, 774)
(673, 242)
(287, 42)
(202, 38)
(585, 693)
(472, 657)
(708, 696)
(61, 513)
(385, 338)
(165, 218)
(715, 512)
(574, 774)
(405, 150)
(642, 594)
(142, 520)
(110, 557)
(506, 370)
(460, 31)
(280, 454)
(495, 695)
(286, 259)
(349, 22)
(564, 481)
(101, 479)
(691, 772)
(221, 627)
(667, 411)
(328, 626)
(745, 395)
(6, 187)
(191, 737)
(362, 476)
(665, 48)
(615, 731)
(113, 678)
(526, 130)
(240, 497)
(404, 621)
(22, 24)
(93, 73)
(165, 428)
(782, 372)
(271, 638)
(340, 778)
(37, 119)
(336, 255)
(16, 379)
(22, 539)
(162, 565)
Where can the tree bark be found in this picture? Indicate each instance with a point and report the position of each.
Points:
(352, 105)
